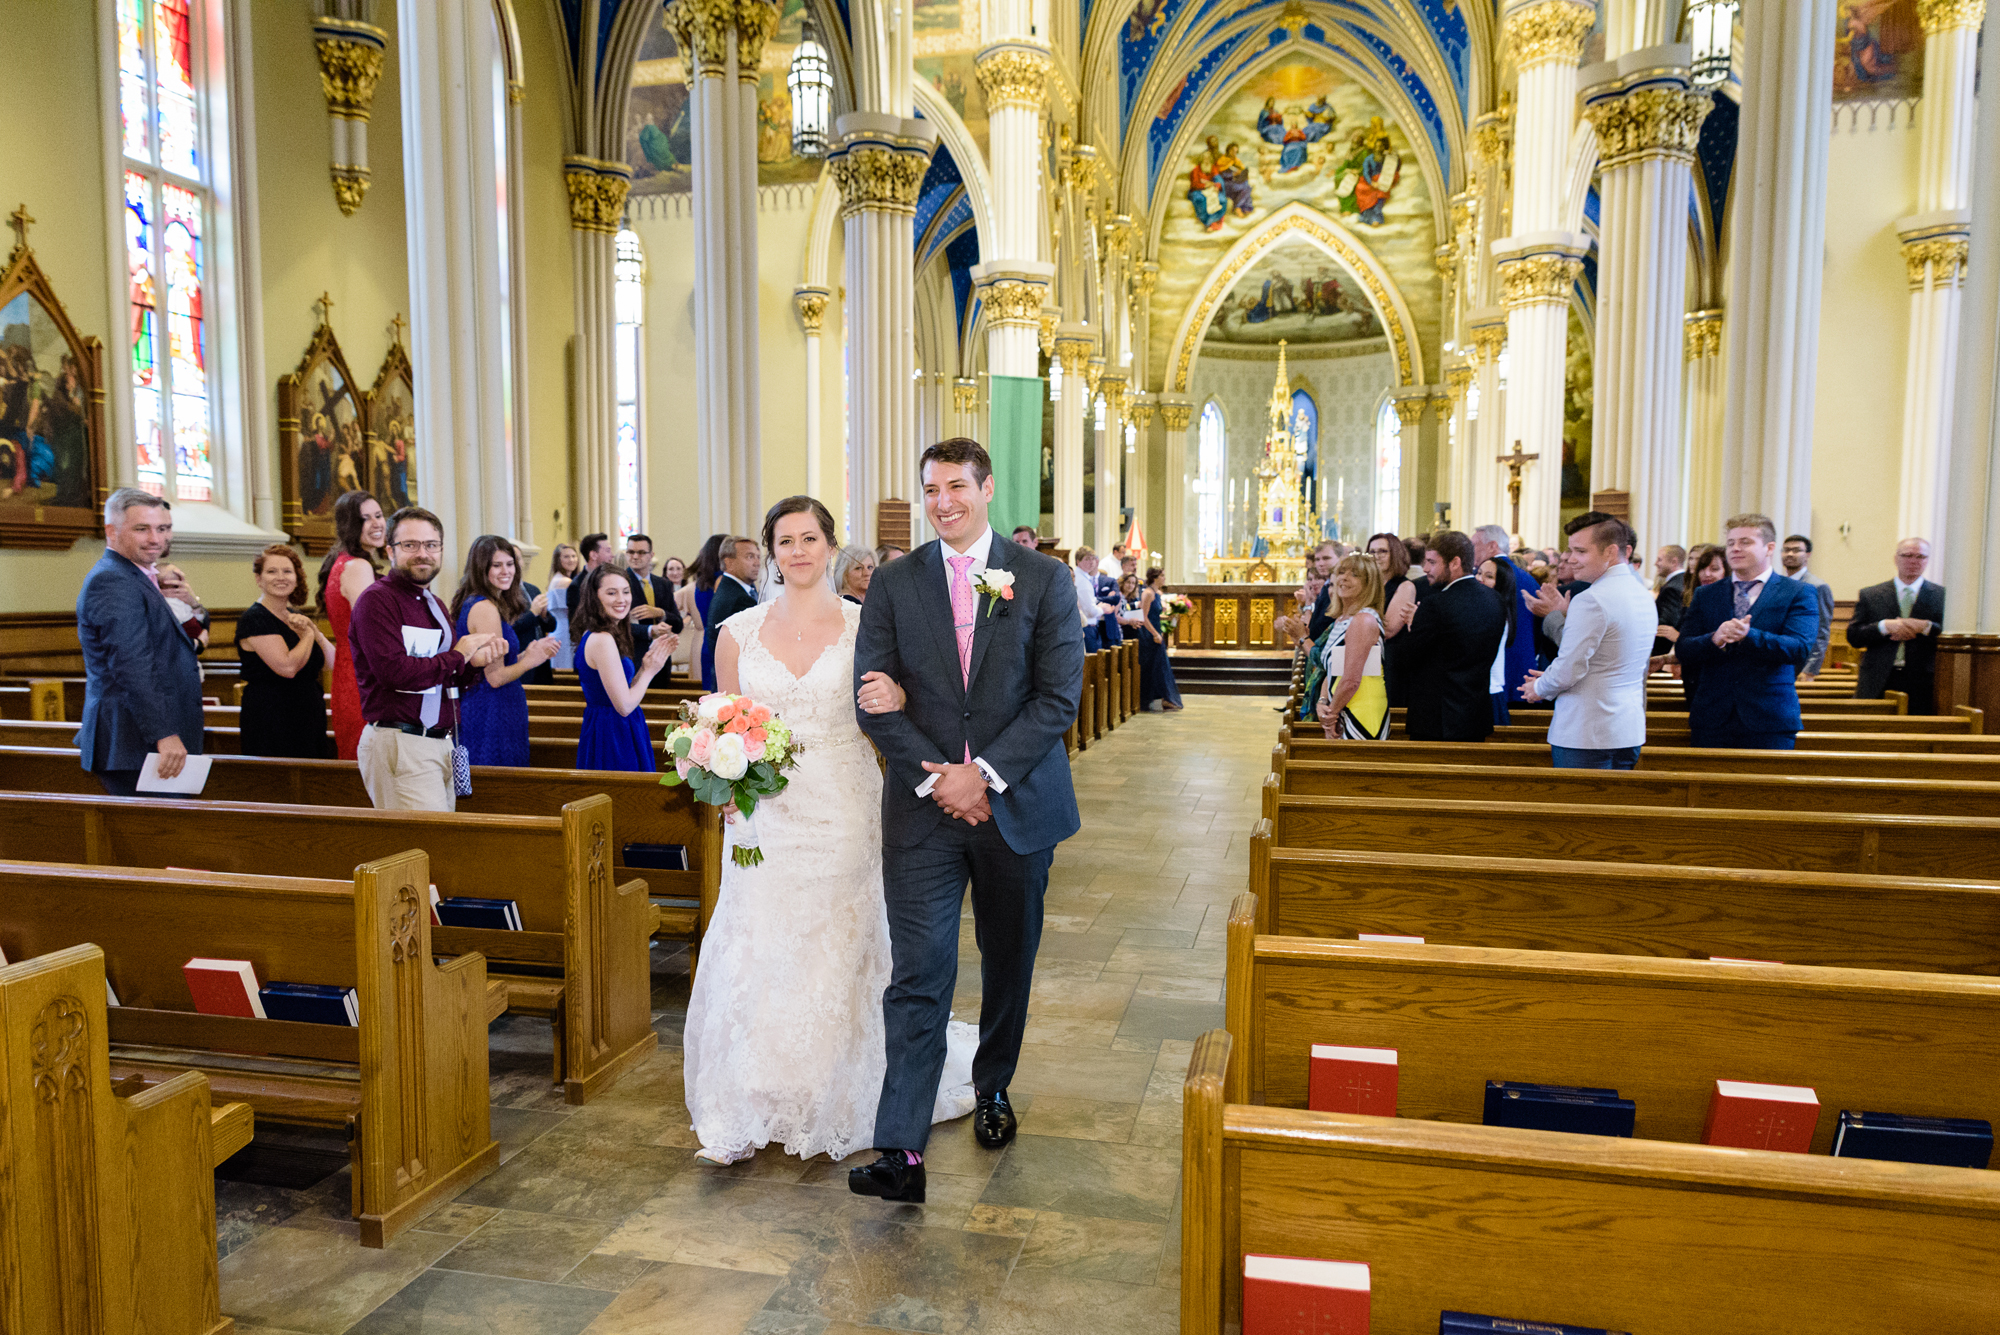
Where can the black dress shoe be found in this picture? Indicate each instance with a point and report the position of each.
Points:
(993, 1120)
(892, 1177)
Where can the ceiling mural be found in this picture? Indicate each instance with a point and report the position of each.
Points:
(947, 46)
(1293, 292)
(1296, 131)
(1879, 51)
(658, 127)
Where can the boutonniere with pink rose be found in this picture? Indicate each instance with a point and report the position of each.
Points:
(997, 585)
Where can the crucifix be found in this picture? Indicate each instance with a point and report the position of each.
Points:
(1515, 463)
(397, 326)
(325, 304)
(21, 221)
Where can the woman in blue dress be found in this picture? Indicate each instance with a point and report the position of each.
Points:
(564, 566)
(1157, 690)
(707, 568)
(614, 727)
(493, 713)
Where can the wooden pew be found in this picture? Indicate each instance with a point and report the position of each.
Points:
(1632, 1235)
(1830, 919)
(1864, 739)
(1963, 848)
(582, 959)
(107, 1219)
(1869, 764)
(1417, 784)
(410, 1082)
(1659, 1031)
(643, 811)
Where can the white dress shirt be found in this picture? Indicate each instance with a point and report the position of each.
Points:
(1086, 596)
(979, 551)
(1901, 588)
(1598, 681)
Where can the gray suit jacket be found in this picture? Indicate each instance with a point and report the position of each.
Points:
(1026, 682)
(142, 679)
(1825, 640)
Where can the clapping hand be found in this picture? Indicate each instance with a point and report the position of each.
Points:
(1546, 599)
(1528, 684)
(1729, 632)
(660, 650)
(540, 605)
(542, 650)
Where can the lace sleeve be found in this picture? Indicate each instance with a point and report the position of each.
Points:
(743, 627)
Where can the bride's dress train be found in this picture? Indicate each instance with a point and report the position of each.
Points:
(784, 1028)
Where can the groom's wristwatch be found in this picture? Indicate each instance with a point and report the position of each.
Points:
(993, 780)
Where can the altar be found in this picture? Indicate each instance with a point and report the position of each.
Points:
(1287, 530)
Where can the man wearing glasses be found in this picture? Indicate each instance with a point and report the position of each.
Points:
(410, 672)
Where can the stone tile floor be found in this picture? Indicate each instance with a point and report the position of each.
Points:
(599, 1220)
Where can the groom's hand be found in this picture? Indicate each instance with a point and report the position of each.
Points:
(961, 791)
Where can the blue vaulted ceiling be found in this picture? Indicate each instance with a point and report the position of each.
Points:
(944, 222)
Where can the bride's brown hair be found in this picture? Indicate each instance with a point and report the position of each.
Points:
(796, 505)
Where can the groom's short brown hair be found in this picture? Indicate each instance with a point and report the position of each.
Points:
(959, 450)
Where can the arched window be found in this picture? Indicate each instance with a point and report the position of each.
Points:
(1305, 429)
(628, 349)
(1214, 452)
(168, 205)
(1388, 467)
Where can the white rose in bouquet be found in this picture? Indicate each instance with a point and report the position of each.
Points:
(729, 760)
(709, 706)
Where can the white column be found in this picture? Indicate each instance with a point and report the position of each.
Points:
(1111, 460)
(1648, 121)
(1177, 541)
(1934, 250)
(1777, 218)
(459, 350)
(879, 164)
(596, 201)
(1487, 479)
(1458, 442)
(1973, 602)
(1074, 345)
(1701, 485)
(1539, 263)
(1014, 282)
(723, 43)
(810, 303)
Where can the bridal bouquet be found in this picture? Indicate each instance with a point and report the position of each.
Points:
(1173, 606)
(729, 748)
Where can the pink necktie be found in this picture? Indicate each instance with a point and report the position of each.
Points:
(961, 613)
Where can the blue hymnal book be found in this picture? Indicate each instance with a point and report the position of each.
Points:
(461, 911)
(310, 1003)
(1949, 1142)
(1588, 1112)
(1466, 1323)
(656, 857)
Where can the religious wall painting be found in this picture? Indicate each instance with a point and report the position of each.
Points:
(52, 473)
(322, 450)
(659, 119)
(1295, 131)
(1878, 51)
(391, 434)
(1578, 416)
(1294, 292)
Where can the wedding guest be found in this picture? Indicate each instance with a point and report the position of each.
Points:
(1109, 632)
(183, 603)
(1399, 600)
(142, 692)
(1025, 536)
(735, 590)
(1896, 625)
(853, 570)
(614, 735)
(282, 653)
(1352, 703)
(565, 567)
(1311, 598)
(1084, 577)
(489, 601)
(1796, 556)
(1749, 636)
(702, 576)
(360, 540)
(652, 595)
(1453, 637)
(536, 622)
(1598, 679)
(411, 672)
(1667, 562)
(1416, 547)
(1497, 574)
(687, 655)
(596, 550)
(1705, 565)
(886, 553)
(1157, 689)
(1490, 541)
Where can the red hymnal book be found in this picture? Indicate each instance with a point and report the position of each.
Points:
(1761, 1117)
(224, 987)
(1291, 1295)
(1352, 1080)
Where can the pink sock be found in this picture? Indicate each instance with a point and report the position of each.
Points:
(913, 1157)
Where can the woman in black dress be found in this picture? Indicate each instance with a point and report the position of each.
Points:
(283, 654)
(1399, 599)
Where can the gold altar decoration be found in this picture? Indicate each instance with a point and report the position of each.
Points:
(1285, 528)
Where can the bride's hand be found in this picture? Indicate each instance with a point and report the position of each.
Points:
(729, 814)
(880, 695)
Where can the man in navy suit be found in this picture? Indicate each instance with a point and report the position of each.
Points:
(143, 685)
(1749, 635)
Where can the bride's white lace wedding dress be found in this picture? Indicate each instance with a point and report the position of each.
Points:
(784, 1029)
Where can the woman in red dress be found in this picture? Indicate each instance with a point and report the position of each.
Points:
(354, 563)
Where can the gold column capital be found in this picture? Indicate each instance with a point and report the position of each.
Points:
(1538, 280)
(1176, 416)
(964, 394)
(1458, 378)
(1074, 347)
(810, 303)
(1941, 259)
(1938, 16)
(1410, 407)
(1013, 299)
(1487, 340)
(879, 176)
(1046, 322)
(702, 29)
(1144, 278)
(1702, 335)
(1649, 122)
(756, 25)
(1141, 410)
(1014, 74)
(1548, 30)
(596, 193)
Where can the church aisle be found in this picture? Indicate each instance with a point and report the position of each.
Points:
(599, 1221)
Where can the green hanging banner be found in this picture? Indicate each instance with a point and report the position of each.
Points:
(1014, 439)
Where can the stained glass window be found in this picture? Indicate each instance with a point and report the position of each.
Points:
(167, 206)
(629, 304)
(1213, 449)
(1388, 467)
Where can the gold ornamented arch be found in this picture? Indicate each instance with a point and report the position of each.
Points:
(1300, 219)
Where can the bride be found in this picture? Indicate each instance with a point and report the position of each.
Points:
(784, 1029)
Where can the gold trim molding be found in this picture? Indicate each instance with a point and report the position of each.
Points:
(596, 193)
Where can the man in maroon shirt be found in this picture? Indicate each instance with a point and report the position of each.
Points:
(410, 672)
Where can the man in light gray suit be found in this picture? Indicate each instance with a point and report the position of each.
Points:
(1796, 554)
(984, 638)
(1598, 681)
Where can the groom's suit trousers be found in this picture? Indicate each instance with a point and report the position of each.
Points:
(924, 887)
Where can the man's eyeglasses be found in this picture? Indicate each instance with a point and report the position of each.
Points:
(428, 548)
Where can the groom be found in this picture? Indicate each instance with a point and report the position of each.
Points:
(983, 636)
